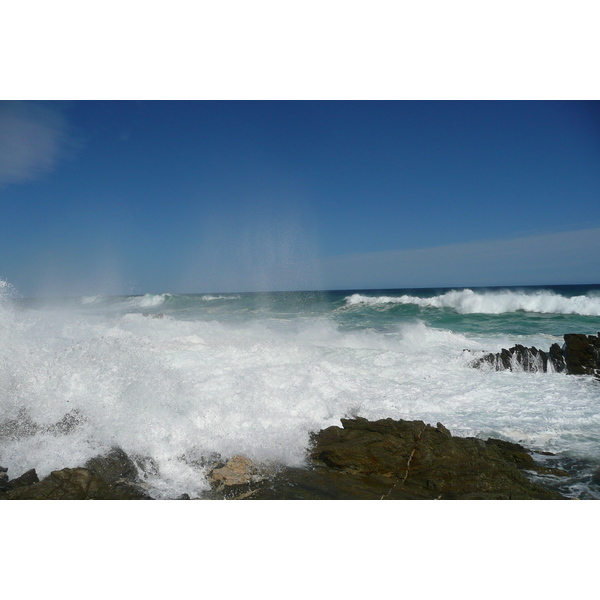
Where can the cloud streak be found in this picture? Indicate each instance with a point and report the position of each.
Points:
(570, 257)
(33, 138)
(554, 258)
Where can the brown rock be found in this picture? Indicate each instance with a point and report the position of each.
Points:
(238, 470)
(390, 459)
(113, 467)
(28, 478)
(74, 484)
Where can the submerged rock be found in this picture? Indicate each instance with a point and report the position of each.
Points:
(23, 426)
(579, 355)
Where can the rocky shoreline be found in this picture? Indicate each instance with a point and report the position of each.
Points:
(366, 460)
(363, 460)
(579, 355)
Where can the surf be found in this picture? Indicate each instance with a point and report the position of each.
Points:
(468, 301)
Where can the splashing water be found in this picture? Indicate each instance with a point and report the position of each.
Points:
(468, 301)
(254, 374)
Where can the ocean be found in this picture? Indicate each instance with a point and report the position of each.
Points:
(178, 379)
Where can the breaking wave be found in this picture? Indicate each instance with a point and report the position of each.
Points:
(148, 300)
(467, 301)
(209, 297)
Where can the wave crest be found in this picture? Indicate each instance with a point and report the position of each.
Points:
(209, 297)
(147, 300)
(467, 301)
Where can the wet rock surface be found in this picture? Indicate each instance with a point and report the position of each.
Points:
(110, 477)
(579, 355)
(3, 479)
(237, 478)
(408, 460)
(366, 460)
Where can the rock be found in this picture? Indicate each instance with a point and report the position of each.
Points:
(3, 479)
(237, 471)
(390, 459)
(238, 478)
(555, 356)
(384, 459)
(71, 421)
(443, 430)
(119, 469)
(22, 426)
(114, 467)
(74, 484)
(517, 358)
(580, 355)
(28, 478)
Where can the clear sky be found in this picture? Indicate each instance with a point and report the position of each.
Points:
(215, 196)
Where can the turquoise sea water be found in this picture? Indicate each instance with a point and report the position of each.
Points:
(176, 378)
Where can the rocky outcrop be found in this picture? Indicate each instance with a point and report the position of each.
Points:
(366, 460)
(408, 460)
(582, 354)
(579, 355)
(110, 477)
(114, 467)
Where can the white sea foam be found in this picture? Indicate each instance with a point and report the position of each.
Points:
(177, 391)
(210, 297)
(467, 301)
(147, 300)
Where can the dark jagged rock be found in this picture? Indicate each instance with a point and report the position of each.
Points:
(580, 355)
(74, 484)
(113, 476)
(556, 357)
(114, 467)
(363, 459)
(3, 479)
(516, 358)
(390, 459)
(24, 426)
(28, 478)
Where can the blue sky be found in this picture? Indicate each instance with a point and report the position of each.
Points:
(211, 196)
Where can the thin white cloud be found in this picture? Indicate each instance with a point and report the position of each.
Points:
(554, 258)
(33, 138)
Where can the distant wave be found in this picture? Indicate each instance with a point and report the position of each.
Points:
(147, 300)
(467, 302)
(211, 297)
